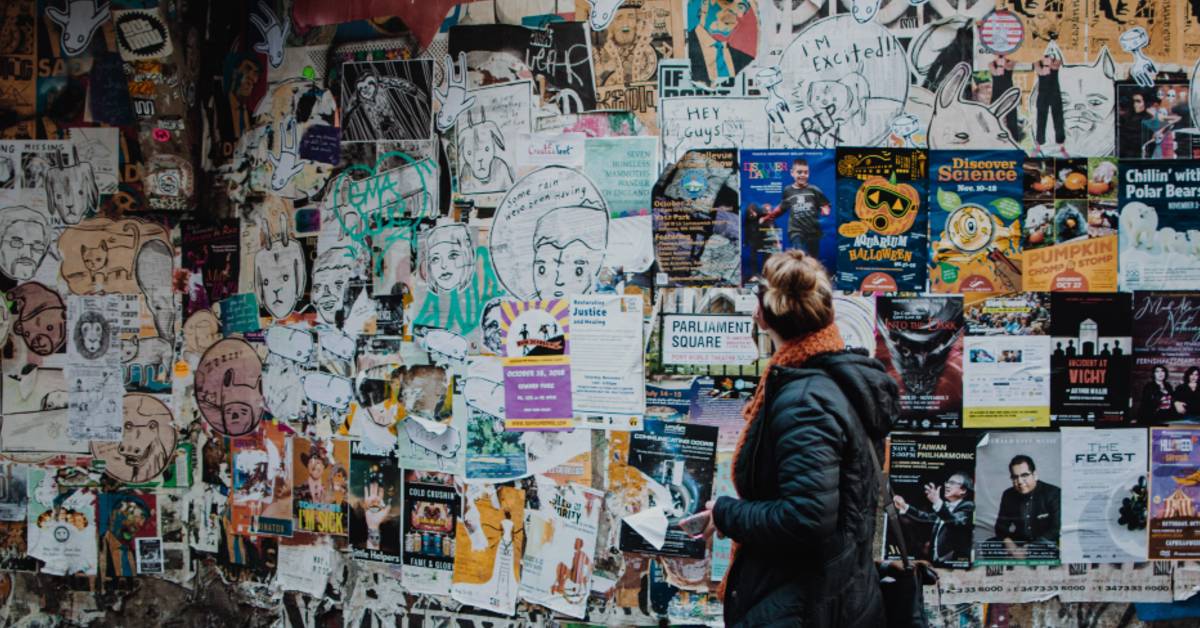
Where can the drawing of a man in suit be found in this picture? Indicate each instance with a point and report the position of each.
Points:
(713, 49)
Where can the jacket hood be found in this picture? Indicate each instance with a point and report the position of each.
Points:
(873, 394)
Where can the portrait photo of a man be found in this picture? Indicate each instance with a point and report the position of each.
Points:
(951, 517)
(722, 38)
(1026, 525)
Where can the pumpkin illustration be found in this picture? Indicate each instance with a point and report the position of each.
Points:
(1075, 181)
(887, 207)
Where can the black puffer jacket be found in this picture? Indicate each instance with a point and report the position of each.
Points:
(806, 518)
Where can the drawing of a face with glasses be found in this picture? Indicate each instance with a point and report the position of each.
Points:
(23, 240)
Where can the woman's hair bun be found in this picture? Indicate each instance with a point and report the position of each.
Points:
(799, 296)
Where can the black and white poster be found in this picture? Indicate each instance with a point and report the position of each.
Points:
(387, 100)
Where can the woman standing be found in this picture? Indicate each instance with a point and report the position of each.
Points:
(805, 521)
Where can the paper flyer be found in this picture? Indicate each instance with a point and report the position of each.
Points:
(556, 570)
(608, 366)
(1018, 498)
(882, 219)
(920, 341)
(676, 462)
(1006, 381)
(623, 168)
(1166, 372)
(537, 364)
(489, 544)
(1174, 490)
(1013, 314)
(697, 234)
(855, 318)
(321, 486)
(124, 520)
(374, 507)
(933, 488)
(1104, 512)
(690, 339)
(1070, 224)
(788, 202)
(1090, 360)
(975, 220)
(1159, 203)
(430, 507)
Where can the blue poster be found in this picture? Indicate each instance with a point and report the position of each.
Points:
(788, 202)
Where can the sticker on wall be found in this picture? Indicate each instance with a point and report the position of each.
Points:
(141, 34)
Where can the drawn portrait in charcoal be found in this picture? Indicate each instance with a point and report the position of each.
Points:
(92, 335)
(24, 238)
(387, 100)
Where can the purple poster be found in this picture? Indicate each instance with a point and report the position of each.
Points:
(537, 393)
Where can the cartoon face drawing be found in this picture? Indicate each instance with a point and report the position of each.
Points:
(71, 192)
(448, 258)
(147, 441)
(330, 274)
(227, 387)
(565, 264)
(279, 272)
(41, 317)
(491, 322)
(92, 335)
(24, 236)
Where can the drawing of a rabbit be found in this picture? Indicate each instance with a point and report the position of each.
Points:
(961, 123)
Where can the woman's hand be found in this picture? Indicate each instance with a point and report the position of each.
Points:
(711, 527)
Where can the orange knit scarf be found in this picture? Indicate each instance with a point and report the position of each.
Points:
(793, 353)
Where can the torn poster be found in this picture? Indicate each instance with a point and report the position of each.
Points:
(321, 486)
(556, 570)
(675, 462)
(697, 240)
(124, 519)
(1174, 491)
(374, 507)
(305, 568)
(627, 54)
(489, 544)
(431, 506)
(558, 54)
(62, 521)
(93, 372)
(261, 496)
(1104, 513)
(608, 367)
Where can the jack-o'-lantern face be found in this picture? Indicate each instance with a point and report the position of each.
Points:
(887, 207)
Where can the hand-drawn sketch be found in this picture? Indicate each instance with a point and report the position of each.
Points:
(328, 390)
(282, 386)
(602, 12)
(445, 349)
(1143, 70)
(274, 32)
(961, 123)
(71, 192)
(705, 122)
(24, 239)
(481, 153)
(100, 256)
(147, 443)
(78, 20)
(280, 274)
(287, 164)
(446, 258)
(147, 362)
(722, 37)
(491, 322)
(227, 387)
(1072, 92)
(854, 96)
(387, 100)
(153, 270)
(550, 235)
(865, 10)
(453, 101)
(99, 147)
(41, 317)
(330, 285)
